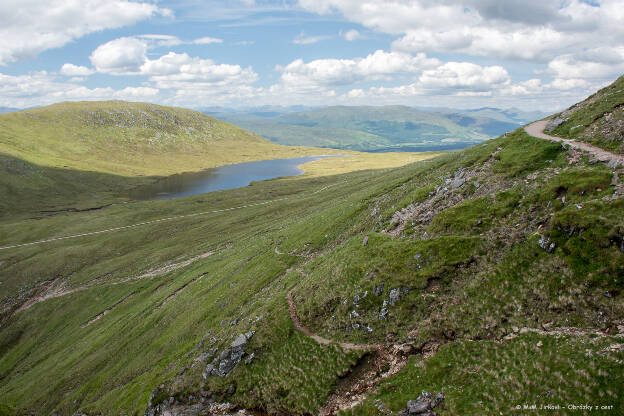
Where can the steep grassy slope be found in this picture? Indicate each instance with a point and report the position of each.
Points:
(454, 249)
(364, 128)
(598, 120)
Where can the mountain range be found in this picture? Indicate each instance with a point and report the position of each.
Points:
(378, 129)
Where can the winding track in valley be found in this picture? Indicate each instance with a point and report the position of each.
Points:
(55, 288)
(125, 227)
(536, 129)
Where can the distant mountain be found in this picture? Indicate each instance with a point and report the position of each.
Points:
(8, 109)
(384, 128)
(260, 111)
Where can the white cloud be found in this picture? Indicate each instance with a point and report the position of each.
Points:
(206, 41)
(28, 27)
(599, 63)
(462, 79)
(176, 70)
(580, 44)
(525, 44)
(464, 75)
(72, 70)
(351, 35)
(529, 87)
(336, 72)
(120, 56)
(187, 78)
(569, 84)
(155, 40)
(302, 39)
(518, 29)
(40, 88)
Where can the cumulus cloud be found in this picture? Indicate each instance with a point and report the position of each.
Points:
(179, 70)
(599, 63)
(187, 80)
(72, 70)
(464, 76)
(336, 72)
(28, 27)
(40, 88)
(127, 56)
(120, 56)
(535, 30)
(451, 78)
(535, 44)
(531, 86)
(579, 43)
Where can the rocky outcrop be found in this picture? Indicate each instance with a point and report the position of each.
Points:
(424, 405)
(554, 123)
(195, 404)
(225, 362)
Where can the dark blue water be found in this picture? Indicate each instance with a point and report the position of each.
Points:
(223, 177)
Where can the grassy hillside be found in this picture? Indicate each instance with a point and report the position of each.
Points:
(366, 128)
(130, 139)
(598, 120)
(460, 239)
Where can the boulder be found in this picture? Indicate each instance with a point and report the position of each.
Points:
(378, 290)
(394, 296)
(424, 404)
(554, 123)
(229, 358)
(544, 243)
(415, 407)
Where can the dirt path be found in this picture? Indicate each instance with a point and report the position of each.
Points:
(385, 360)
(536, 129)
(381, 361)
(318, 338)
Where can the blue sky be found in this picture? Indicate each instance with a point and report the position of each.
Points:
(458, 53)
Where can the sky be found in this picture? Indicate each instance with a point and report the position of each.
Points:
(529, 54)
